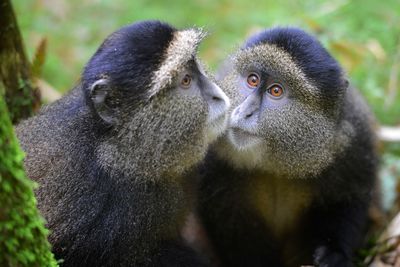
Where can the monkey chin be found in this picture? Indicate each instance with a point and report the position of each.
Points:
(243, 140)
(216, 128)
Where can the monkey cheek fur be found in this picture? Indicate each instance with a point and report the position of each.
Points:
(186, 136)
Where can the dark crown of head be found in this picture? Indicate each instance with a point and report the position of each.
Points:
(129, 56)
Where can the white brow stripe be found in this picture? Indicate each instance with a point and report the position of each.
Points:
(182, 48)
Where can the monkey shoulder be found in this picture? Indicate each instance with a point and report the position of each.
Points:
(44, 136)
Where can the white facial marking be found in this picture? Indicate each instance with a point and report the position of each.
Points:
(182, 47)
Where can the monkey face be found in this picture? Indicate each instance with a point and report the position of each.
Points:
(280, 121)
(172, 130)
(192, 82)
(162, 116)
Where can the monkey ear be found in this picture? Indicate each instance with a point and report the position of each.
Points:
(99, 92)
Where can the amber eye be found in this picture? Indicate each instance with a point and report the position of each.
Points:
(275, 90)
(186, 81)
(253, 80)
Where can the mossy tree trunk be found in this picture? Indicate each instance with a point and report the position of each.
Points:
(23, 237)
(21, 96)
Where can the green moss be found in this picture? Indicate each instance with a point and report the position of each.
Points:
(23, 237)
(21, 104)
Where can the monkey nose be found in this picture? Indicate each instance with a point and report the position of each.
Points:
(217, 98)
(249, 114)
(235, 116)
(245, 113)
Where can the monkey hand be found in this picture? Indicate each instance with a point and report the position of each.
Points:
(327, 257)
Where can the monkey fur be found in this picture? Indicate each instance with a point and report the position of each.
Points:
(290, 182)
(109, 156)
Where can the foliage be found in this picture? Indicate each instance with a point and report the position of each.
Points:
(363, 34)
(22, 233)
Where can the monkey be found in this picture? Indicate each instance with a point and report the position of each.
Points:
(290, 181)
(109, 156)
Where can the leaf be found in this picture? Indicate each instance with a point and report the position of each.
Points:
(350, 54)
(39, 58)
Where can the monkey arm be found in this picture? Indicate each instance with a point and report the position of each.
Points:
(337, 229)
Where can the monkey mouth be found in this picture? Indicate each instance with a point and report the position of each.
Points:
(242, 139)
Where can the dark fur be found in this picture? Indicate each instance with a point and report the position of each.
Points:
(102, 216)
(329, 228)
(140, 49)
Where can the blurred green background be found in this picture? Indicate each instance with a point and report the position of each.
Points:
(364, 35)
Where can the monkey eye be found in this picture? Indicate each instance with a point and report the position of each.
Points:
(275, 90)
(186, 81)
(253, 80)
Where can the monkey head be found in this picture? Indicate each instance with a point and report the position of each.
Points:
(158, 107)
(287, 94)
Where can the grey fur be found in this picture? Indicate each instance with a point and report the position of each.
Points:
(300, 138)
(112, 199)
(290, 181)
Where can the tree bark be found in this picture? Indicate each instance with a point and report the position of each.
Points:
(23, 237)
(21, 95)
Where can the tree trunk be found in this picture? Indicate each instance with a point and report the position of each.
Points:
(23, 237)
(21, 95)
